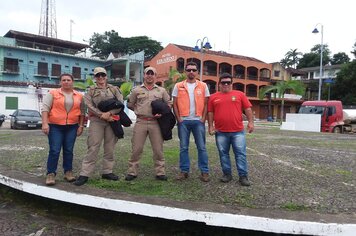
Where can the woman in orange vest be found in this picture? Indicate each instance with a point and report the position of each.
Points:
(62, 121)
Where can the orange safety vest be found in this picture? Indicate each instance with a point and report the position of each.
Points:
(183, 98)
(58, 114)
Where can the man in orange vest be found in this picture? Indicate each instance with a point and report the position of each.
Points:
(190, 99)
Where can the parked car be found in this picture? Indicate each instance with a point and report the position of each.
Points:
(2, 119)
(25, 119)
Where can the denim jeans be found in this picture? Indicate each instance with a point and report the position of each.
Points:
(198, 129)
(238, 142)
(61, 136)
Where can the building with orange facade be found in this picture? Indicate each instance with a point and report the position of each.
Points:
(249, 74)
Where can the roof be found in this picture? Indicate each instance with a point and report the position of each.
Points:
(295, 72)
(220, 53)
(44, 40)
(325, 67)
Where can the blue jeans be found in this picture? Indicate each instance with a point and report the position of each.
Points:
(198, 129)
(61, 136)
(238, 142)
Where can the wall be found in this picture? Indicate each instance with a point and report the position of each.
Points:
(27, 98)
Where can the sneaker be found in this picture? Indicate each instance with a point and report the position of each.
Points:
(81, 180)
(182, 176)
(204, 177)
(244, 181)
(226, 178)
(130, 177)
(161, 177)
(50, 179)
(110, 176)
(68, 176)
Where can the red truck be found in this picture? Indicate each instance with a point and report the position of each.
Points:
(334, 118)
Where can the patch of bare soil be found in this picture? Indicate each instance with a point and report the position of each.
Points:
(294, 175)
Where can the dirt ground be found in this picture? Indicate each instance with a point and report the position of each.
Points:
(294, 175)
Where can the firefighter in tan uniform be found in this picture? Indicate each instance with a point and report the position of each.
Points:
(100, 129)
(146, 124)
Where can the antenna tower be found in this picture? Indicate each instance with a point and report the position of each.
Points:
(48, 23)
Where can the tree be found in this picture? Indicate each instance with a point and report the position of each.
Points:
(84, 85)
(280, 89)
(354, 50)
(174, 77)
(101, 45)
(139, 43)
(125, 89)
(312, 58)
(345, 84)
(291, 58)
(340, 58)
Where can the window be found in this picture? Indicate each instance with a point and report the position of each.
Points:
(76, 71)
(276, 73)
(11, 103)
(331, 111)
(56, 70)
(11, 65)
(42, 68)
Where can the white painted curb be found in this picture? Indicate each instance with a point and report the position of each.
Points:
(210, 218)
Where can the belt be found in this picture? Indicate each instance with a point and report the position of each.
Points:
(146, 118)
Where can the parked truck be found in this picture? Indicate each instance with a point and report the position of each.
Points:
(334, 118)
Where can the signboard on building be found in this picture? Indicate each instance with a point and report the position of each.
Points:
(166, 58)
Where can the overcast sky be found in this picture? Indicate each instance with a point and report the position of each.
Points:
(264, 29)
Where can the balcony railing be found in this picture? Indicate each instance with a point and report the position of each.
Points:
(266, 79)
(252, 77)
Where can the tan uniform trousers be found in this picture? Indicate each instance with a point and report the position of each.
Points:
(98, 131)
(141, 130)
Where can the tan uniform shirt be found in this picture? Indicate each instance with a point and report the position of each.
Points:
(95, 95)
(140, 99)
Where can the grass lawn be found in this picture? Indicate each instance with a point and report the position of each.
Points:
(296, 171)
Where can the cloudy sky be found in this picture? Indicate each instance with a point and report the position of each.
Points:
(264, 29)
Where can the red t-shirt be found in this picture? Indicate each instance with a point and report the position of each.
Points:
(227, 109)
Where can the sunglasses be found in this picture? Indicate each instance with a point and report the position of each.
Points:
(191, 70)
(150, 72)
(225, 82)
(98, 75)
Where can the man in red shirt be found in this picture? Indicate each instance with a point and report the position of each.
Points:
(226, 122)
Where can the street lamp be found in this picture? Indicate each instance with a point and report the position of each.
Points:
(315, 31)
(203, 47)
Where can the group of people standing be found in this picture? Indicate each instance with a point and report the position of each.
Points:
(63, 118)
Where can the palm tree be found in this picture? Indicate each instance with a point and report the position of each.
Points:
(281, 88)
(84, 85)
(174, 77)
(292, 57)
(125, 89)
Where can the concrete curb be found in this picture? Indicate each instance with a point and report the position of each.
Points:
(172, 213)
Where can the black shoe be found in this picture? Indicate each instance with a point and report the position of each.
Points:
(226, 178)
(110, 176)
(244, 181)
(161, 177)
(130, 177)
(81, 180)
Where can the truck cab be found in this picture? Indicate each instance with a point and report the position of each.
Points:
(331, 114)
